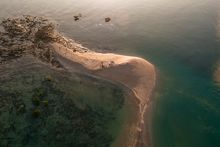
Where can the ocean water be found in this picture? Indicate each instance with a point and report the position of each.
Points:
(181, 38)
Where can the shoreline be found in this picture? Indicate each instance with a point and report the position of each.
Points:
(134, 73)
(20, 37)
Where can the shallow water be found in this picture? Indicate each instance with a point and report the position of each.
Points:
(179, 37)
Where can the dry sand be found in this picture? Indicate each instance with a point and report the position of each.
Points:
(134, 73)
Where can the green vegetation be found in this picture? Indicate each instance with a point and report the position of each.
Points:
(45, 103)
(49, 78)
(36, 113)
(36, 101)
(21, 108)
(68, 113)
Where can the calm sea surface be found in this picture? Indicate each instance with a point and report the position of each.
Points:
(179, 37)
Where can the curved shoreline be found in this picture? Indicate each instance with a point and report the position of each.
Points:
(135, 73)
(37, 36)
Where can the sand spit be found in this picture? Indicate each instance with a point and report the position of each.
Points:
(37, 36)
(133, 72)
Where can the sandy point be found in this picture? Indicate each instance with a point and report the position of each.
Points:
(134, 73)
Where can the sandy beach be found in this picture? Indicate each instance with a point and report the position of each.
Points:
(134, 73)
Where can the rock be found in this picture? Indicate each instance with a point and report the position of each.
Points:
(76, 18)
(107, 19)
(45, 33)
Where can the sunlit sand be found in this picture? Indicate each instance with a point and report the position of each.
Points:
(133, 72)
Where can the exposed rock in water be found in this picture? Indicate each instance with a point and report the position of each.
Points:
(107, 19)
(76, 18)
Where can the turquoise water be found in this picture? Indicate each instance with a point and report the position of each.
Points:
(179, 37)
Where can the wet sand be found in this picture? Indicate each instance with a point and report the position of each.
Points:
(135, 73)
